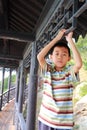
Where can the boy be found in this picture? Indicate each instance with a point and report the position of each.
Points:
(56, 111)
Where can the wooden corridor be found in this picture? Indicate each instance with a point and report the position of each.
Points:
(6, 117)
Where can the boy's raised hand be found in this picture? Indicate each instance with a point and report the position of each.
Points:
(69, 36)
(60, 34)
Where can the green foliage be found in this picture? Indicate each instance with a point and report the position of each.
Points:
(13, 80)
(82, 47)
(85, 64)
(5, 84)
(80, 91)
(83, 89)
(75, 100)
(82, 44)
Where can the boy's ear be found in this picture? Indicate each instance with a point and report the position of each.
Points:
(69, 58)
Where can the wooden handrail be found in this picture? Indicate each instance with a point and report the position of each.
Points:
(4, 97)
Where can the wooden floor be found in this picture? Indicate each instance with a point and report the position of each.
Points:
(6, 117)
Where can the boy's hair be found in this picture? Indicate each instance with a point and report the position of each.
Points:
(60, 44)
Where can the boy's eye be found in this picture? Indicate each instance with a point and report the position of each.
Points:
(61, 54)
(64, 54)
(57, 54)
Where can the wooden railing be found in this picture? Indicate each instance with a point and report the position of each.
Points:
(7, 96)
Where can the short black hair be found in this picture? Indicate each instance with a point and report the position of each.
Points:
(60, 44)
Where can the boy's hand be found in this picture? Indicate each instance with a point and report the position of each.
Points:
(60, 34)
(69, 36)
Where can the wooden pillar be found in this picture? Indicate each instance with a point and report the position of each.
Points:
(9, 85)
(17, 84)
(2, 87)
(75, 6)
(32, 91)
(25, 76)
(21, 89)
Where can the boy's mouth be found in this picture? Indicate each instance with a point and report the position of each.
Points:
(60, 62)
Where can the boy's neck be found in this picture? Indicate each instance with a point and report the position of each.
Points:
(59, 68)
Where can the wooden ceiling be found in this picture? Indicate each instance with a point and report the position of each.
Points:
(19, 20)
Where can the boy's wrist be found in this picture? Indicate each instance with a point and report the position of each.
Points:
(57, 38)
(69, 39)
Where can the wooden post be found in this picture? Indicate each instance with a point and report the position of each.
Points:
(21, 89)
(2, 87)
(32, 91)
(17, 84)
(9, 85)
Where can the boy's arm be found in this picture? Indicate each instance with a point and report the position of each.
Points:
(45, 50)
(76, 54)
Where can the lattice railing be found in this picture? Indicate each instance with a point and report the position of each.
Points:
(7, 96)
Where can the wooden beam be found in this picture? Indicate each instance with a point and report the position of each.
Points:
(79, 12)
(10, 57)
(1, 7)
(5, 13)
(47, 14)
(19, 36)
(44, 13)
(9, 65)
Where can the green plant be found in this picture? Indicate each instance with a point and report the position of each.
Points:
(85, 64)
(83, 89)
(13, 79)
(5, 84)
(75, 100)
(82, 47)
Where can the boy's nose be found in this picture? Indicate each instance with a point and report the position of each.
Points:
(60, 56)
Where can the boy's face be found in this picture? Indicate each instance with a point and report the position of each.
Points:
(60, 57)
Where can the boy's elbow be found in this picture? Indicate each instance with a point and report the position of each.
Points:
(79, 65)
(77, 68)
(41, 61)
(38, 57)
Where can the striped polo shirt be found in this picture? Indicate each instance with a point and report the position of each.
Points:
(57, 107)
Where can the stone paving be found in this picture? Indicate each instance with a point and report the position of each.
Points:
(6, 117)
